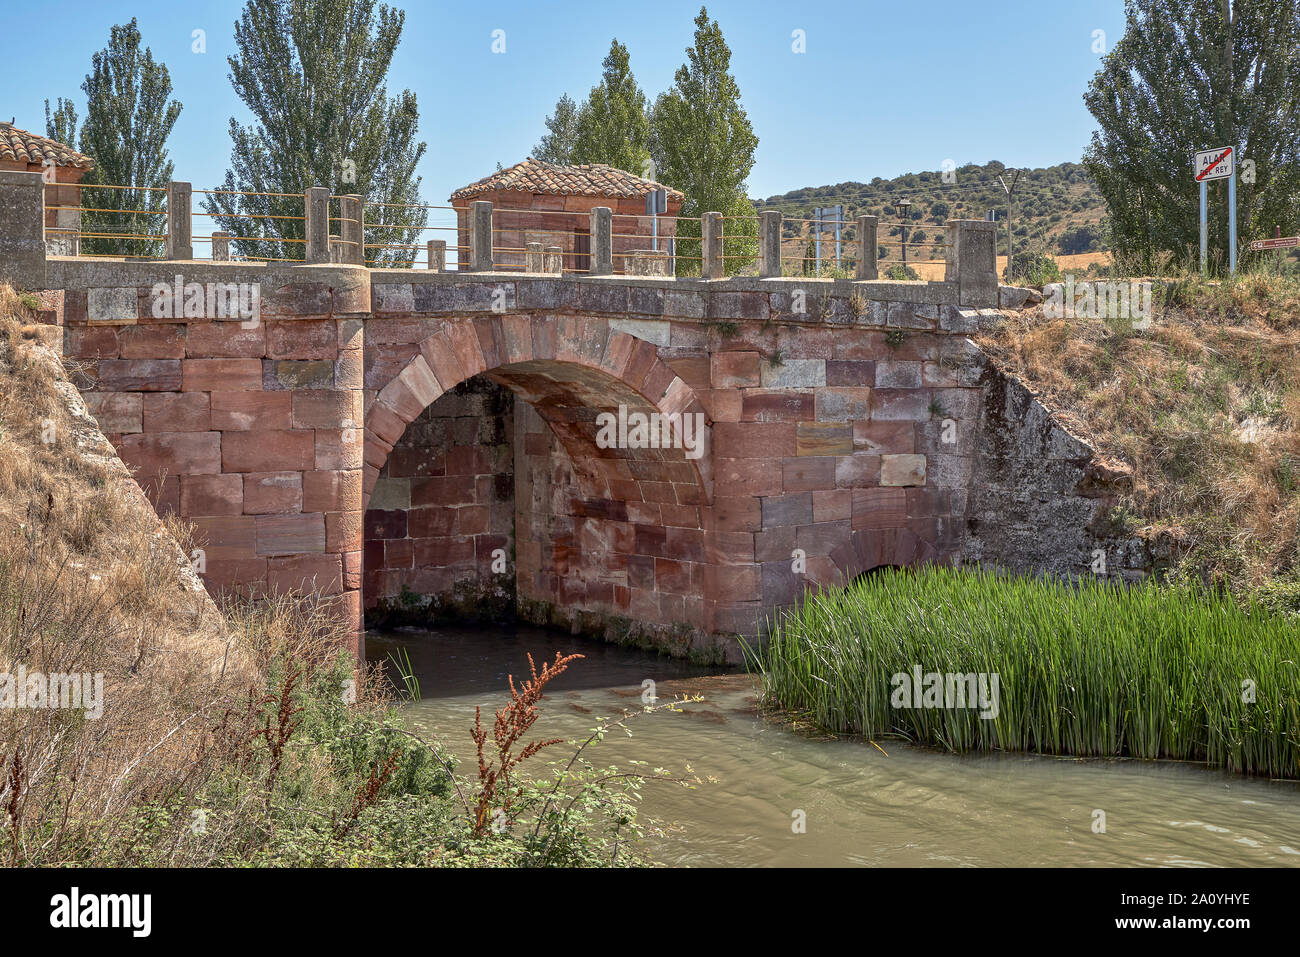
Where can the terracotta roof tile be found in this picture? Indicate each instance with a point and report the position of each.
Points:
(589, 179)
(20, 146)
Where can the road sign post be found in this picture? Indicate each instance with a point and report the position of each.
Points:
(1217, 163)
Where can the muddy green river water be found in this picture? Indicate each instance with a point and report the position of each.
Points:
(910, 807)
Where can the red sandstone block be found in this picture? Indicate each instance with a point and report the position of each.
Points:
(352, 568)
(350, 370)
(91, 342)
(375, 453)
(832, 505)
(302, 339)
(737, 477)
(725, 548)
(722, 405)
(878, 508)
(161, 341)
(226, 375)
(332, 490)
(225, 340)
(384, 423)
(472, 520)
(235, 576)
(268, 451)
(177, 412)
(305, 573)
(780, 406)
(443, 551)
(464, 343)
(859, 470)
(383, 524)
(268, 493)
(442, 491)
(163, 492)
(682, 516)
(466, 460)
(339, 449)
(441, 359)
(644, 513)
(517, 338)
(245, 411)
(692, 370)
(685, 543)
(211, 495)
(806, 473)
(672, 575)
(116, 411)
(734, 370)
(139, 375)
(881, 437)
(226, 537)
(730, 583)
(314, 409)
(172, 453)
(343, 532)
(398, 552)
(737, 513)
(753, 440)
(290, 534)
(431, 522)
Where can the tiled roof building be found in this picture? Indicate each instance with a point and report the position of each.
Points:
(534, 201)
(62, 167)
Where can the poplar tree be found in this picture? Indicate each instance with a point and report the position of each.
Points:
(129, 115)
(703, 145)
(1193, 76)
(612, 127)
(312, 73)
(556, 145)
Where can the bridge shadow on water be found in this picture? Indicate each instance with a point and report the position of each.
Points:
(478, 658)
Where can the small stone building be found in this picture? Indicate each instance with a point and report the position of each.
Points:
(63, 168)
(541, 202)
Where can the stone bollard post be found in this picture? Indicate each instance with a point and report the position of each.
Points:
(337, 251)
(711, 266)
(480, 236)
(602, 241)
(220, 246)
(769, 232)
(22, 229)
(317, 226)
(534, 258)
(180, 237)
(351, 229)
(868, 241)
(553, 260)
(971, 261)
(437, 255)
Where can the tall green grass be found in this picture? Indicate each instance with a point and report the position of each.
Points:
(1084, 668)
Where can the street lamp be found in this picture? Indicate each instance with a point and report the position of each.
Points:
(904, 208)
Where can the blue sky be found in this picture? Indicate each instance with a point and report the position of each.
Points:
(884, 87)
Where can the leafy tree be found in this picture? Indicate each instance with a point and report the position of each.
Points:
(612, 126)
(61, 125)
(556, 145)
(129, 115)
(703, 145)
(312, 73)
(1189, 76)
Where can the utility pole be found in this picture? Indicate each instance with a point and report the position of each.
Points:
(1009, 189)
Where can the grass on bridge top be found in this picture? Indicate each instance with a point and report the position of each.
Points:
(1091, 669)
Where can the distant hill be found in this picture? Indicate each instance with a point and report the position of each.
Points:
(1055, 209)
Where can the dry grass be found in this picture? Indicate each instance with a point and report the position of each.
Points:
(1205, 405)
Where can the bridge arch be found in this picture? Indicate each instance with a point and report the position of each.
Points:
(617, 533)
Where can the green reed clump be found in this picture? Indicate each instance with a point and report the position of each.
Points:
(1088, 668)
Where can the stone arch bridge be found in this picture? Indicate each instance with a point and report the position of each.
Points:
(382, 434)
